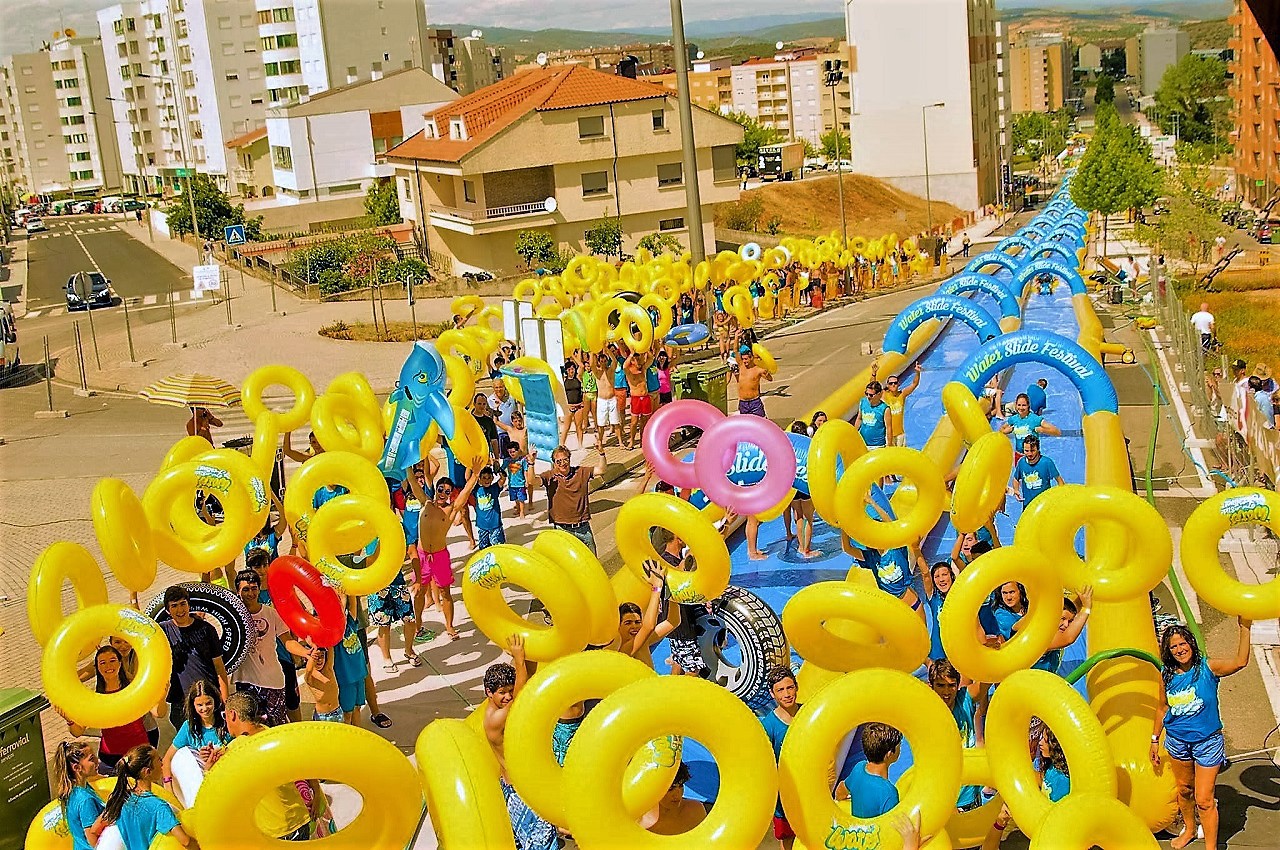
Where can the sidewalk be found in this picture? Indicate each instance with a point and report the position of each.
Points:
(13, 276)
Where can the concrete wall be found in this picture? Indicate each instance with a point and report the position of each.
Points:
(291, 217)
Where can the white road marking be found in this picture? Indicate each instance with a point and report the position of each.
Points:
(149, 300)
(33, 314)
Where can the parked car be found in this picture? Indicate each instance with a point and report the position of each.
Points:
(477, 277)
(82, 207)
(35, 225)
(815, 163)
(1264, 234)
(131, 204)
(89, 289)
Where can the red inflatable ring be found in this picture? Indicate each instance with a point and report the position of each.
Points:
(325, 627)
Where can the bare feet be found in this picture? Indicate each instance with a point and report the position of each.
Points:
(1184, 838)
(808, 553)
(757, 556)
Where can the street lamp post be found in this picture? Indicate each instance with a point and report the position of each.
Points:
(139, 162)
(928, 196)
(182, 144)
(692, 194)
(832, 76)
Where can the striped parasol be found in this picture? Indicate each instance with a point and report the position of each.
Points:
(192, 391)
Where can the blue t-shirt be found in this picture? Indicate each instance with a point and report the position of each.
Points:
(517, 472)
(651, 379)
(410, 517)
(324, 494)
(871, 422)
(269, 543)
(1005, 621)
(349, 662)
(619, 375)
(143, 817)
(935, 602)
(1056, 784)
(202, 737)
(777, 731)
(892, 569)
(488, 512)
(965, 714)
(1050, 661)
(1039, 401)
(1035, 478)
(1193, 705)
(870, 795)
(83, 807)
(1023, 427)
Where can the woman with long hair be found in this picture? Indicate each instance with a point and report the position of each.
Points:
(1188, 714)
(1010, 607)
(74, 764)
(137, 813)
(110, 676)
(203, 730)
(801, 511)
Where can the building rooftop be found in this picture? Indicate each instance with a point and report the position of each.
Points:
(390, 91)
(247, 139)
(490, 110)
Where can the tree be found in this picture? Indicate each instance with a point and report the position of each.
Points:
(605, 237)
(1193, 100)
(535, 247)
(657, 243)
(214, 209)
(1188, 230)
(381, 204)
(810, 149)
(757, 135)
(835, 145)
(1117, 171)
(1105, 92)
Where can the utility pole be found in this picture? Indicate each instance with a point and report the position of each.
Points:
(832, 76)
(692, 194)
(928, 196)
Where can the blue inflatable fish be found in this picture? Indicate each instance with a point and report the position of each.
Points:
(419, 400)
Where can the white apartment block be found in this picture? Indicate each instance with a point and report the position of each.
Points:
(912, 55)
(480, 64)
(784, 92)
(1160, 48)
(56, 133)
(1004, 105)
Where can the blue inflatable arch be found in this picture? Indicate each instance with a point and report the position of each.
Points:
(939, 306)
(1058, 269)
(993, 258)
(977, 282)
(1044, 249)
(1035, 232)
(1079, 366)
(1019, 241)
(1067, 235)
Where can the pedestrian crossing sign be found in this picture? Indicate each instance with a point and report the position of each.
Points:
(233, 234)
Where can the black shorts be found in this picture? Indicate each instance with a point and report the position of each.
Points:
(664, 398)
(292, 700)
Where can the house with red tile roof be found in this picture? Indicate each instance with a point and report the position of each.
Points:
(556, 149)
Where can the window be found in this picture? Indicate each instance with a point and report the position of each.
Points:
(33, 107)
(232, 76)
(73, 101)
(246, 20)
(659, 120)
(404, 188)
(255, 73)
(224, 23)
(228, 49)
(724, 163)
(670, 174)
(117, 27)
(273, 42)
(671, 224)
(180, 27)
(235, 101)
(282, 158)
(79, 138)
(133, 48)
(468, 191)
(384, 30)
(184, 51)
(81, 156)
(591, 127)
(256, 101)
(122, 50)
(290, 66)
(457, 129)
(595, 183)
(130, 24)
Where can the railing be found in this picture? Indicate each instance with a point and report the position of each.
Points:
(491, 213)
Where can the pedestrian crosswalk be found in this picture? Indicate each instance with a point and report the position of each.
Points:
(182, 298)
(49, 234)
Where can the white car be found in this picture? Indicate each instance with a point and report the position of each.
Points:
(83, 207)
(815, 163)
(35, 225)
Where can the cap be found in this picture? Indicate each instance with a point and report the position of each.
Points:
(746, 349)
(1238, 363)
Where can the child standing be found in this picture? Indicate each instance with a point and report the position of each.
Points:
(868, 785)
(73, 765)
(350, 666)
(140, 815)
(204, 729)
(488, 512)
(322, 680)
(516, 467)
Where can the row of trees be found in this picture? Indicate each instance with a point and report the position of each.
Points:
(1039, 134)
(538, 248)
(1117, 172)
(1193, 100)
(353, 262)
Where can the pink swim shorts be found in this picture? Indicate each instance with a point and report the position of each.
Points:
(435, 566)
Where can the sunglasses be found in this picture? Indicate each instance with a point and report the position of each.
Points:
(891, 383)
(873, 392)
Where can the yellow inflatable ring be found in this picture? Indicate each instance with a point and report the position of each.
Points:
(1080, 821)
(573, 556)
(980, 484)
(582, 269)
(858, 243)
(1200, 536)
(87, 628)
(459, 774)
(529, 289)
(640, 515)
(253, 768)
(350, 471)
(594, 802)
(347, 524)
(556, 686)
(120, 524)
(469, 444)
(765, 359)
(341, 423)
(1039, 693)
(836, 442)
(667, 289)
(970, 828)
(855, 485)
(482, 580)
(702, 275)
(1122, 564)
(634, 328)
(971, 590)
(455, 342)
(304, 395)
(266, 443)
(773, 259)
(62, 561)
(189, 448)
(181, 537)
(807, 617)
(462, 382)
(827, 717)
(355, 385)
(965, 412)
(652, 303)
(466, 306)
(737, 303)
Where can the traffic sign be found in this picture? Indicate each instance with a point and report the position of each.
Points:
(182, 172)
(233, 234)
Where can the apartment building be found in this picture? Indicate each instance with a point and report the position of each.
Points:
(480, 64)
(557, 149)
(328, 146)
(710, 83)
(946, 80)
(12, 155)
(1256, 78)
(1004, 114)
(1090, 58)
(439, 56)
(655, 58)
(57, 134)
(840, 113)
(783, 92)
(1039, 73)
(1152, 52)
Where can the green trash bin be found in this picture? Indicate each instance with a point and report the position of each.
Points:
(705, 382)
(24, 778)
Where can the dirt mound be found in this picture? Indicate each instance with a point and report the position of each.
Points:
(811, 207)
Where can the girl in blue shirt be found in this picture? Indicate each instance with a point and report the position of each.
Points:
(1023, 423)
(1010, 607)
(872, 418)
(74, 764)
(937, 583)
(204, 729)
(1188, 713)
(1055, 775)
(138, 814)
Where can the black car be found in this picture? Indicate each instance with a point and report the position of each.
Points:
(89, 289)
(131, 204)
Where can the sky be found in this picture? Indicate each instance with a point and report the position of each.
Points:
(24, 24)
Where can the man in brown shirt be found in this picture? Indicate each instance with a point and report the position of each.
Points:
(568, 488)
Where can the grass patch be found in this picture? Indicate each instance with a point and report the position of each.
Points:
(394, 332)
(1247, 321)
(1248, 280)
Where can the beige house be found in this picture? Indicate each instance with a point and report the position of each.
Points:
(556, 149)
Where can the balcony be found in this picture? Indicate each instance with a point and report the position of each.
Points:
(475, 221)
